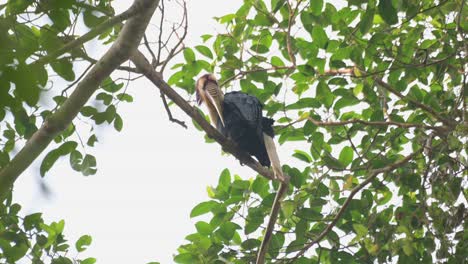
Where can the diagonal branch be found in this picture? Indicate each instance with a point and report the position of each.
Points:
(271, 223)
(127, 41)
(169, 113)
(372, 174)
(156, 78)
(426, 108)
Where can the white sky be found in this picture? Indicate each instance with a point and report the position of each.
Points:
(149, 176)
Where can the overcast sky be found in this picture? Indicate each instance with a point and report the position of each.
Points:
(149, 176)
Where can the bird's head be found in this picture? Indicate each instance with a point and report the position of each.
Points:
(207, 91)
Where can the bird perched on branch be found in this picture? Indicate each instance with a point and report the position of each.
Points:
(238, 116)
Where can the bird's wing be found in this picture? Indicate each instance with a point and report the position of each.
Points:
(248, 107)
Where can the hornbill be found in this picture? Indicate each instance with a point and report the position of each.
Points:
(238, 116)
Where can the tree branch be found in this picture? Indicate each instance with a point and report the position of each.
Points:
(127, 41)
(373, 123)
(426, 108)
(169, 113)
(271, 223)
(229, 146)
(372, 174)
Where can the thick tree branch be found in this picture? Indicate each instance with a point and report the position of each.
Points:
(156, 78)
(136, 8)
(372, 174)
(128, 41)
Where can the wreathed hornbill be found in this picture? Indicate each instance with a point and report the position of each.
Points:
(238, 116)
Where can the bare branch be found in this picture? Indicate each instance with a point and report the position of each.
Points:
(154, 60)
(176, 49)
(169, 114)
(354, 191)
(126, 43)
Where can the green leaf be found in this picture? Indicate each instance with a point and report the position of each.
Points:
(91, 140)
(360, 230)
(176, 77)
(125, 97)
(319, 36)
(90, 19)
(75, 160)
(88, 110)
(52, 156)
(226, 18)
(302, 155)
(118, 123)
(32, 220)
(205, 51)
(288, 207)
(110, 86)
(204, 228)
(202, 208)
(64, 68)
(224, 180)
(305, 102)
(250, 244)
(276, 61)
(367, 21)
(60, 18)
(316, 7)
(227, 230)
(185, 258)
(324, 94)
(189, 55)
(104, 97)
(346, 155)
(88, 261)
(88, 167)
(17, 6)
(388, 12)
(25, 83)
(309, 214)
(83, 242)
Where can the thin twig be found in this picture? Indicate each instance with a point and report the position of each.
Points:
(176, 49)
(241, 73)
(426, 108)
(372, 123)
(154, 60)
(169, 114)
(161, 8)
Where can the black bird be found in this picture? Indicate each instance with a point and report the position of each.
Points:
(238, 116)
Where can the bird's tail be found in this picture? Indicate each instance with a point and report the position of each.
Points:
(273, 155)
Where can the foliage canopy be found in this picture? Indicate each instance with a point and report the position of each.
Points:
(371, 93)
